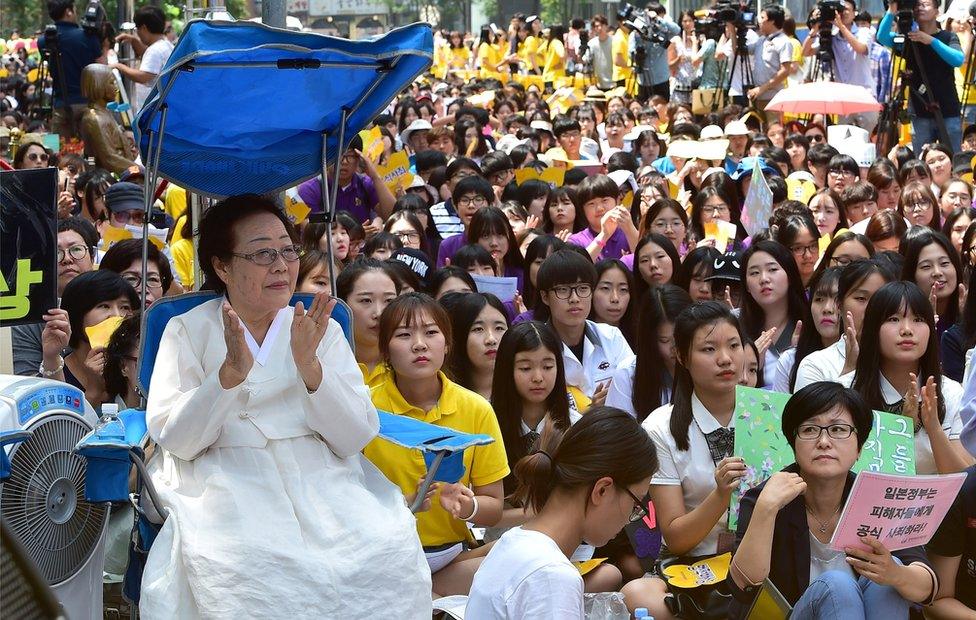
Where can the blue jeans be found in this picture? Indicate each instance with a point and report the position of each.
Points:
(838, 595)
(926, 131)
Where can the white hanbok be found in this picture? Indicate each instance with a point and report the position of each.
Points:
(271, 510)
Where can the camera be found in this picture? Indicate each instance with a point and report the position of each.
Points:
(828, 13)
(94, 18)
(644, 24)
(709, 28)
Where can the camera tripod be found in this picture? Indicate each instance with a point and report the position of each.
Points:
(52, 53)
(895, 112)
(968, 86)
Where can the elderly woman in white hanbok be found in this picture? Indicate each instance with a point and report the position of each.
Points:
(261, 413)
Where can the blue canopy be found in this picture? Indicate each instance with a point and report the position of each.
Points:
(246, 104)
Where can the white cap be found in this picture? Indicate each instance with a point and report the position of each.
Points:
(710, 132)
(418, 125)
(736, 128)
(543, 125)
(508, 142)
(635, 133)
(624, 177)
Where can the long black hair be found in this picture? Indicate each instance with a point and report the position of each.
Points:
(464, 308)
(699, 263)
(629, 319)
(491, 220)
(895, 298)
(911, 248)
(661, 304)
(539, 249)
(507, 402)
(689, 321)
(822, 284)
(752, 315)
(640, 284)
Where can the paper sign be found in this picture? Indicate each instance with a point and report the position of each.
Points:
(589, 565)
(758, 206)
(158, 236)
(800, 189)
(295, 208)
(98, 335)
(759, 440)
(701, 573)
(504, 288)
(898, 511)
(396, 173)
(722, 232)
(372, 143)
(482, 100)
(113, 235)
(628, 200)
(553, 176)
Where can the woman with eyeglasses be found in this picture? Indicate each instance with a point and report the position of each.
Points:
(799, 233)
(245, 388)
(125, 259)
(591, 351)
(30, 155)
(666, 217)
(710, 204)
(845, 248)
(786, 523)
(406, 227)
(898, 366)
(919, 205)
(693, 438)
(585, 483)
(955, 194)
(842, 172)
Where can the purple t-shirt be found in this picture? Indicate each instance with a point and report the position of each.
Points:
(616, 245)
(359, 198)
(528, 315)
(449, 248)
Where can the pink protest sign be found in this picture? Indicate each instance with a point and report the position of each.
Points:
(900, 511)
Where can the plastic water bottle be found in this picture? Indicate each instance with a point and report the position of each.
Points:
(641, 614)
(110, 426)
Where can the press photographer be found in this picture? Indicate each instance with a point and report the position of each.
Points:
(931, 55)
(842, 49)
(69, 48)
(650, 35)
(151, 44)
(733, 47)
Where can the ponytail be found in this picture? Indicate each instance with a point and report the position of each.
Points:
(606, 442)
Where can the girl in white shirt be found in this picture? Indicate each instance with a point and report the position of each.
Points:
(693, 438)
(585, 484)
(858, 282)
(774, 298)
(644, 384)
(902, 349)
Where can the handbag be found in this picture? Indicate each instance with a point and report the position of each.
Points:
(703, 100)
(708, 602)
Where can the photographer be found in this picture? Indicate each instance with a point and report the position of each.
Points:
(75, 48)
(850, 47)
(150, 39)
(772, 57)
(654, 75)
(939, 53)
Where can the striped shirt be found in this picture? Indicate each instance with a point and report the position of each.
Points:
(446, 219)
(881, 70)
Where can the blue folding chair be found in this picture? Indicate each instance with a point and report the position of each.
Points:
(111, 456)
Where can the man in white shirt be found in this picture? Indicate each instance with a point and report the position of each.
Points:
(851, 48)
(151, 44)
(772, 58)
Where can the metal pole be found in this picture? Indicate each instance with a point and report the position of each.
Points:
(327, 209)
(273, 13)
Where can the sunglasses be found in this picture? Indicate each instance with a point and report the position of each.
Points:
(37, 156)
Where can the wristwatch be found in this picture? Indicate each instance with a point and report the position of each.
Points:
(47, 374)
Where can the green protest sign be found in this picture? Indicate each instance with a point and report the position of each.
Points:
(759, 440)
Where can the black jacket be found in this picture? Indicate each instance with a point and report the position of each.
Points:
(789, 562)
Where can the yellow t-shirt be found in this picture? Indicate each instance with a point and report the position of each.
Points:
(618, 45)
(555, 63)
(182, 251)
(378, 376)
(175, 202)
(458, 57)
(488, 57)
(527, 50)
(459, 409)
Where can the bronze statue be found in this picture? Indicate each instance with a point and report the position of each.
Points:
(102, 135)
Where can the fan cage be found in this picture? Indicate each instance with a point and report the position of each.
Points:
(43, 501)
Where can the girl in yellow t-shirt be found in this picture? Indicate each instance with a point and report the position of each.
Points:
(458, 56)
(488, 56)
(414, 333)
(555, 59)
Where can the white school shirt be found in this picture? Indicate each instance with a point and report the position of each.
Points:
(525, 575)
(822, 365)
(621, 393)
(780, 377)
(604, 350)
(951, 394)
(692, 469)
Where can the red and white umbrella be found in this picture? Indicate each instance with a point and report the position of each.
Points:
(824, 98)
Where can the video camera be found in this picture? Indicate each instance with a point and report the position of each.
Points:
(709, 27)
(905, 17)
(94, 18)
(828, 13)
(647, 25)
(738, 13)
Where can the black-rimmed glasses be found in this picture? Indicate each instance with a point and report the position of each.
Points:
(813, 432)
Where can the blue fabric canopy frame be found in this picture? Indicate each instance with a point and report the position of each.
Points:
(241, 107)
